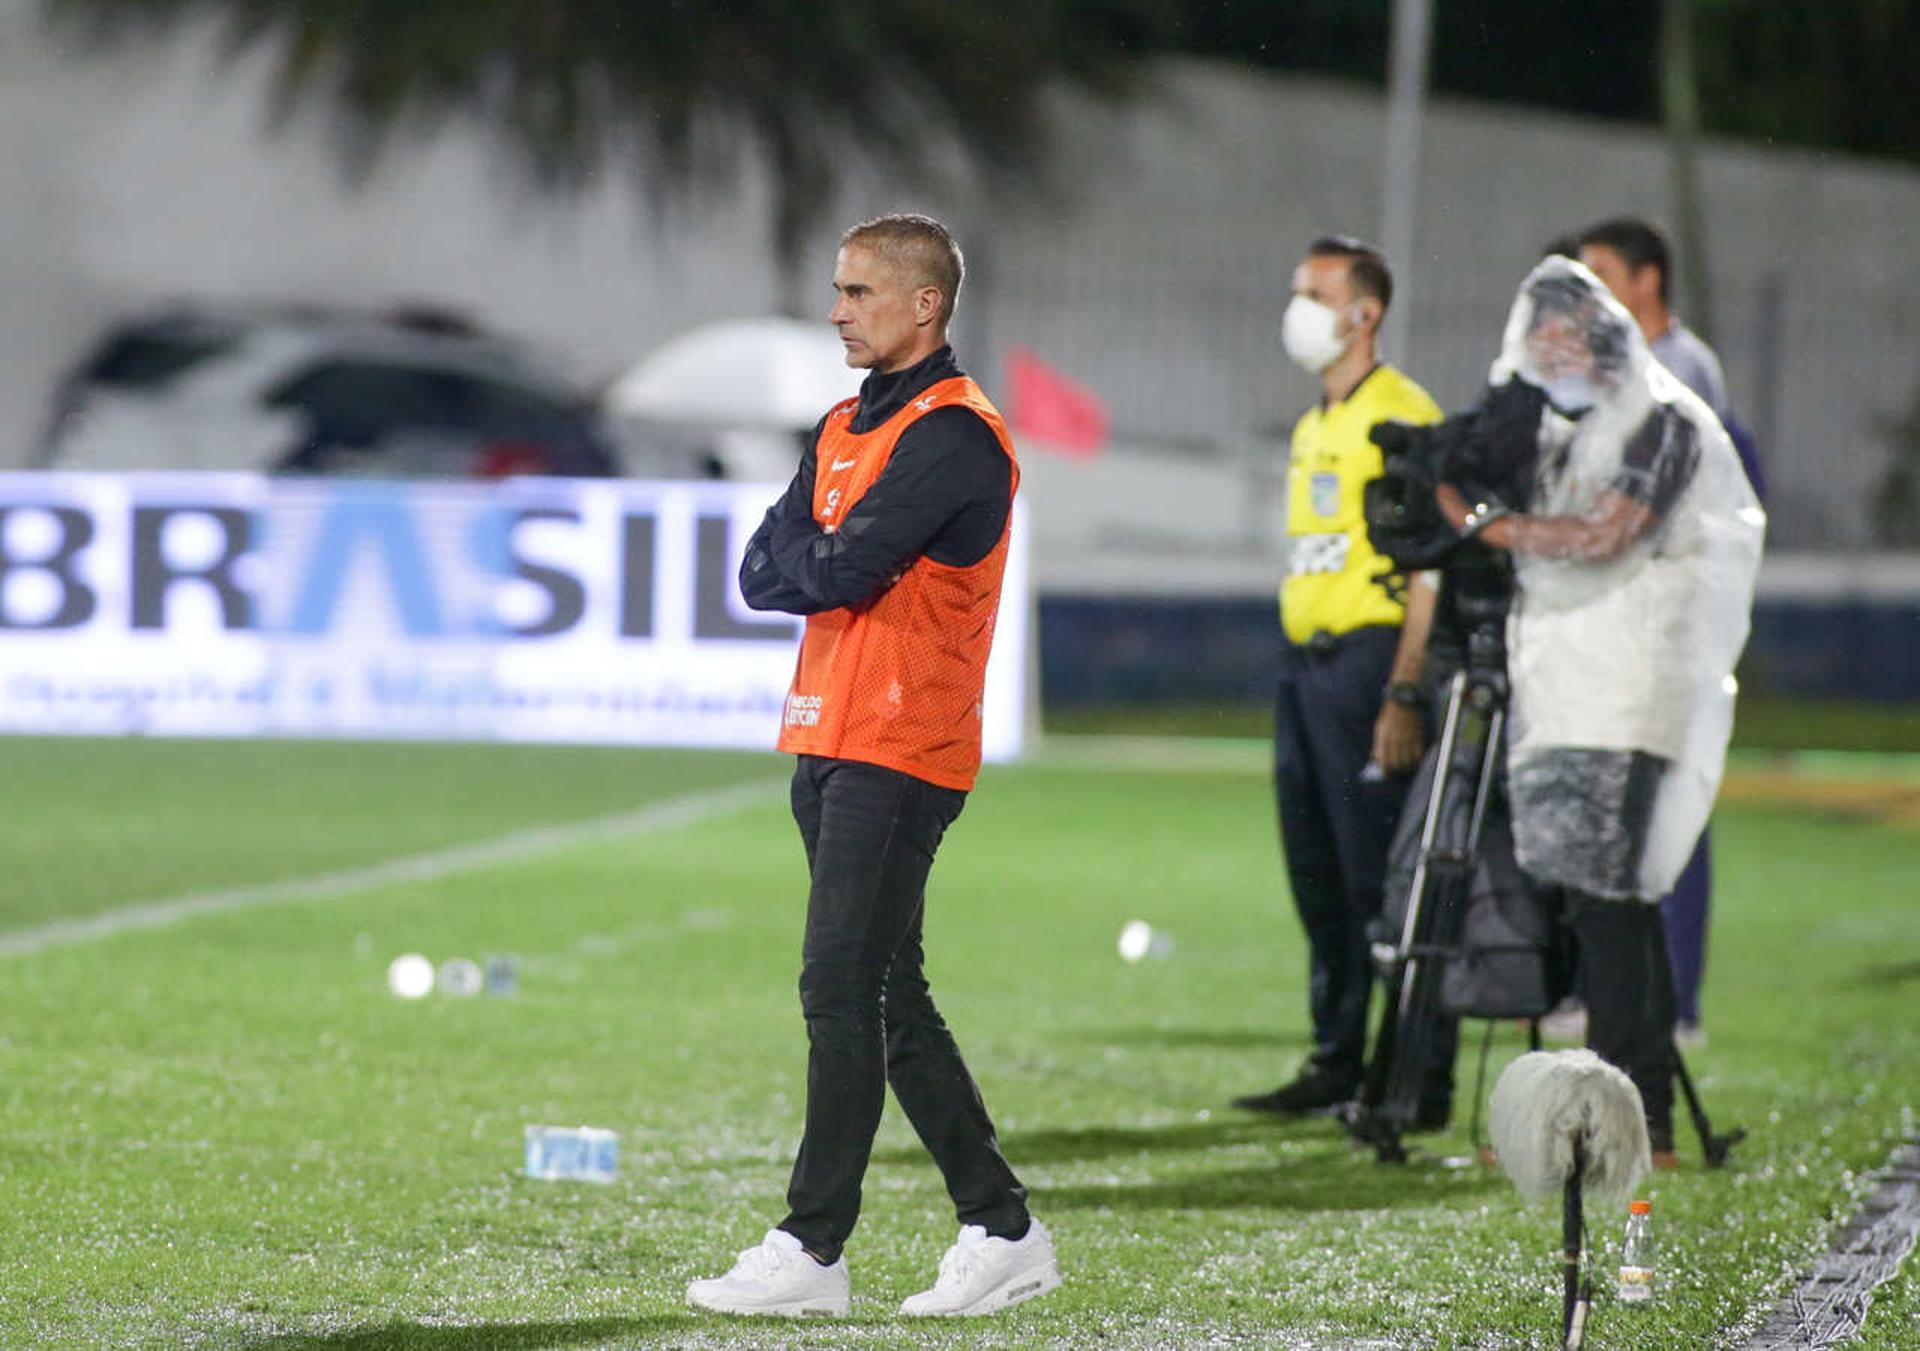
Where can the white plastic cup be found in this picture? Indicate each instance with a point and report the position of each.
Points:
(1139, 939)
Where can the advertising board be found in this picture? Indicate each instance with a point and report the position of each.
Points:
(524, 610)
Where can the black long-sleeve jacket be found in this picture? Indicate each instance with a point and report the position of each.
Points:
(944, 494)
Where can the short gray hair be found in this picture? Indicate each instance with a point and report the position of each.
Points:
(919, 245)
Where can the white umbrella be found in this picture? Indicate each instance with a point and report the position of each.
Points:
(764, 373)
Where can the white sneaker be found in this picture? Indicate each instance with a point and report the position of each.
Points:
(980, 1274)
(778, 1277)
(1567, 1023)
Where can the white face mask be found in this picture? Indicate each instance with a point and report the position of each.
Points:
(1572, 394)
(1309, 332)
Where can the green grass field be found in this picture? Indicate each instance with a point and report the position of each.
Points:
(226, 1133)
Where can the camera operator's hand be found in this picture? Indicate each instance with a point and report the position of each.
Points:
(1398, 738)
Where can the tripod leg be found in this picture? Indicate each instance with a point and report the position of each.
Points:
(1466, 771)
(1716, 1148)
(1385, 1043)
(1480, 1091)
(1364, 1117)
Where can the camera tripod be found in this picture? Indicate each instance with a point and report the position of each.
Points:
(1467, 772)
(1466, 769)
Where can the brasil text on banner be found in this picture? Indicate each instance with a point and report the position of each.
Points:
(525, 610)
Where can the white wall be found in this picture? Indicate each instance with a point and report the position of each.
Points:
(1164, 284)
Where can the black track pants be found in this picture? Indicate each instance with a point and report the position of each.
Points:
(870, 835)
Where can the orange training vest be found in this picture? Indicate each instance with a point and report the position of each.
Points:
(900, 683)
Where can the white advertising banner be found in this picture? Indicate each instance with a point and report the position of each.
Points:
(525, 610)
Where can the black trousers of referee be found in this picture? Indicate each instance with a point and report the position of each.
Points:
(1335, 827)
(870, 835)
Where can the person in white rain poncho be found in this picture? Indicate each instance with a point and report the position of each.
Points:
(1635, 564)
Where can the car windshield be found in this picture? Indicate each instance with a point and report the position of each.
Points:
(351, 403)
(356, 405)
(144, 358)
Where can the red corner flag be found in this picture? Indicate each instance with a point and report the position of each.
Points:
(1053, 410)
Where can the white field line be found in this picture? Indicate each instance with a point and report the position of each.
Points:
(513, 847)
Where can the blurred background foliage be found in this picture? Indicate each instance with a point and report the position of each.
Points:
(684, 89)
(1833, 74)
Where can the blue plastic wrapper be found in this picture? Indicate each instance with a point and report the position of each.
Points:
(572, 1153)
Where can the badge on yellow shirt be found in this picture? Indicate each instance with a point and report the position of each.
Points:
(1325, 494)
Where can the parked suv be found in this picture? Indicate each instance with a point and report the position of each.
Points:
(415, 394)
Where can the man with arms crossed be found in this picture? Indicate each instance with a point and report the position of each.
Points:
(1347, 725)
(1632, 258)
(891, 540)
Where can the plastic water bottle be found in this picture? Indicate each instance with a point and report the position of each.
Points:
(459, 977)
(572, 1153)
(503, 976)
(1636, 1255)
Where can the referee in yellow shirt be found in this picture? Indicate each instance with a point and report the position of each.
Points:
(1347, 715)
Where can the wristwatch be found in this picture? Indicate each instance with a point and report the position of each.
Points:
(1405, 692)
(1480, 517)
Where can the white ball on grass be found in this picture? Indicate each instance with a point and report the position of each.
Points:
(1136, 939)
(410, 976)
